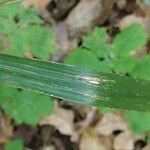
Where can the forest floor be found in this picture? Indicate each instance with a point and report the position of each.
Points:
(77, 127)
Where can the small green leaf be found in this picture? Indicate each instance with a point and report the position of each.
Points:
(40, 40)
(7, 26)
(141, 70)
(124, 64)
(14, 145)
(29, 16)
(24, 106)
(97, 42)
(37, 39)
(105, 66)
(17, 43)
(10, 11)
(84, 59)
(132, 38)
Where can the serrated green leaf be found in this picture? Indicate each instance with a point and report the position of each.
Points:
(17, 43)
(81, 57)
(7, 26)
(84, 59)
(10, 11)
(138, 121)
(24, 107)
(26, 35)
(29, 16)
(97, 42)
(14, 145)
(132, 38)
(141, 70)
(40, 41)
(124, 64)
(105, 66)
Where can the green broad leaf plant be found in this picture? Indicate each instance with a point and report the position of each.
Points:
(22, 34)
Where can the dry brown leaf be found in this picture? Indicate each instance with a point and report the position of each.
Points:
(59, 9)
(27, 148)
(1, 147)
(109, 123)
(86, 15)
(138, 137)
(121, 4)
(6, 128)
(64, 43)
(40, 5)
(61, 119)
(52, 10)
(28, 54)
(81, 126)
(146, 147)
(130, 19)
(143, 51)
(90, 140)
(124, 141)
(78, 108)
(48, 148)
(4, 41)
(141, 15)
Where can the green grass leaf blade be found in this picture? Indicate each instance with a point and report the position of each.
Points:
(75, 84)
(7, 2)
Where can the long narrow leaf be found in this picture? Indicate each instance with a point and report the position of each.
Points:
(7, 2)
(75, 84)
